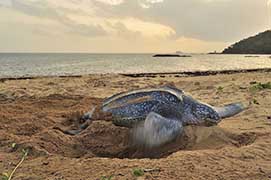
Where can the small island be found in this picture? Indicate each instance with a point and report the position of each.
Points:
(170, 55)
(259, 44)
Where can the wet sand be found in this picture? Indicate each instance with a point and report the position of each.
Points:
(33, 110)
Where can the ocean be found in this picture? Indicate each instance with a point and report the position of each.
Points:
(65, 64)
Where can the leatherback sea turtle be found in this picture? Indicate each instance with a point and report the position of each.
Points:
(158, 115)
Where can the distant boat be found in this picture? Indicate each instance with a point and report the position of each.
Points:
(170, 55)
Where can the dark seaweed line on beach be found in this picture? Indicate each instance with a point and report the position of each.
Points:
(37, 77)
(198, 73)
(135, 75)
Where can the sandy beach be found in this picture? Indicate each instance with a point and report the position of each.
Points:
(32, 112)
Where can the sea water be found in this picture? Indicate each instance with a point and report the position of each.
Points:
(64, 64)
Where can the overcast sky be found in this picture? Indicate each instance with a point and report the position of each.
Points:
(116, 26)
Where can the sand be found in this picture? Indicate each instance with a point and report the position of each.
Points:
(32, 112)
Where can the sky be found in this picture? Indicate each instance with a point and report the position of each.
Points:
(129, 26)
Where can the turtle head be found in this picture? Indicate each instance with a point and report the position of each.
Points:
(206, 114)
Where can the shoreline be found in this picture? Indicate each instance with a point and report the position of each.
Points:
(137, 75)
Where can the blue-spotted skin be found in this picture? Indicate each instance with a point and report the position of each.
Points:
(197, 113)
(135, 109)
(161, 94)
(120, 99)
(126, 107)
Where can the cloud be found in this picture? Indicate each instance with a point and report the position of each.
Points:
(58, 13)
(87, 18)
(148, 3)
(213, 21)
(5, 3)
(111, 2)
(35, 8)
(146, 29)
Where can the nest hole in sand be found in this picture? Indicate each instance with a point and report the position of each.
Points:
(108, 140)
(103, 139)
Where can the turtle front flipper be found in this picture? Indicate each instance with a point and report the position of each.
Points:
(230, 110)
(157, 130)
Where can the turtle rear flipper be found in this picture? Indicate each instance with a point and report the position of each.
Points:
(157, 130)
(86, 118)
(230, 109)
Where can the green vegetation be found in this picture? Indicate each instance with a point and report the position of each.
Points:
(13, 147)
(138, 172)
(197, 83)
(220, 89)
(106, 178)
(255, 101)
(8, 176)
(259, 44)
(4, 176)
(257, 86)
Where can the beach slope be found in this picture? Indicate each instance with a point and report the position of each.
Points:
(34, 111)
